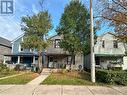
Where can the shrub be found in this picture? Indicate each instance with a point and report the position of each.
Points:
(19, 67)
(3, 68)
(112, 77)
(63, 66)
(115, 68)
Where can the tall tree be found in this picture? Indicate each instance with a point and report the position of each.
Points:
(115, 12)
(75, 28)
(36, 28)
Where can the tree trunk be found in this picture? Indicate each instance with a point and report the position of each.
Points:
(73, 57)
(40, 61)
(72, 60)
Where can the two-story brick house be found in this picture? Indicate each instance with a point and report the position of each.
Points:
(5, 48)
(53, 56)
(108, 50)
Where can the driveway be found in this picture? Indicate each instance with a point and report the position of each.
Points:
(60, 90)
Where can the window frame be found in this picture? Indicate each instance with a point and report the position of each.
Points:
(56, 43)
(115, 44)
(103, 43)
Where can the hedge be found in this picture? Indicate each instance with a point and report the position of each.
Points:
(112, 77)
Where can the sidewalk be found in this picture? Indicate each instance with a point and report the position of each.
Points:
(60, 90)
(45, 73)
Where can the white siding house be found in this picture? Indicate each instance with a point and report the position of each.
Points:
(108, 50)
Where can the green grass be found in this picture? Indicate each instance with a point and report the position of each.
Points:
(69, 78)
(8, 73)
(21, 79)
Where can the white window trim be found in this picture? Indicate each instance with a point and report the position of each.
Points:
(19, 48)
(12, 48)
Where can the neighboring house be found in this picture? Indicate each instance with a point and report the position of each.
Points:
(108, 51)
(53, 56)
(5, 48)
(56, 57)
(21, 55)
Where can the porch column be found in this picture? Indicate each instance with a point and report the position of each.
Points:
(33, 59)
(124, 65)
(4, 59)
(18, 59)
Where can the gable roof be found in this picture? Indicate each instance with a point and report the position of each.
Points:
(20, 36)
(5, 42)
(17, 38)
(109, 33)
(53, 36)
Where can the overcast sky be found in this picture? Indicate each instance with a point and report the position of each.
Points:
(10, 24)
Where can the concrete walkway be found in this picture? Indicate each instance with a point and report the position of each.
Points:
(45, 73)
(60, 90)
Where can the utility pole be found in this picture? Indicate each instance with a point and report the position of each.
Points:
(92, 44)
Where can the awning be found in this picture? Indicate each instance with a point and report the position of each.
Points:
(56, 54)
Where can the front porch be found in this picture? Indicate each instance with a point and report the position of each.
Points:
(106, 61)
(27, 59)
(56, 61)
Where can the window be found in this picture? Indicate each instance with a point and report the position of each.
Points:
(21, 49)
(115, 44)
(103, 44)
(51, 59)
(57, 43)
(68, 60)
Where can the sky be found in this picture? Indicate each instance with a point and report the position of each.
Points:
(10, 25)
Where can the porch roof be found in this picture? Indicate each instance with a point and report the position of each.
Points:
(56, 54)
(22, 54)
(109, 55)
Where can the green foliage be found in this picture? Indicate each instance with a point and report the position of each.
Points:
(3, 68)
(75, 28)
(19, 67)
(36, 28)
(5, 71)
(62, 66)
(115, 68)
(112, 77)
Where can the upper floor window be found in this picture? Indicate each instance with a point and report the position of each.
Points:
(103, 44)
(57, 43)
(21, 49)
(115, 44)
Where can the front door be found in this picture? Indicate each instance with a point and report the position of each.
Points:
(50, 62)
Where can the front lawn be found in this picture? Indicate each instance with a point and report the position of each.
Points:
(5, 71)
(8, 73)
(21, 79)
(69, 78)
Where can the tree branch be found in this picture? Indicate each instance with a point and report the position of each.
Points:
(120, 4)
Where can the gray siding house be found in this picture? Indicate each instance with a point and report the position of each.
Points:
(53, 56)
(5, 48)
(57, 58)
(108, 51)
